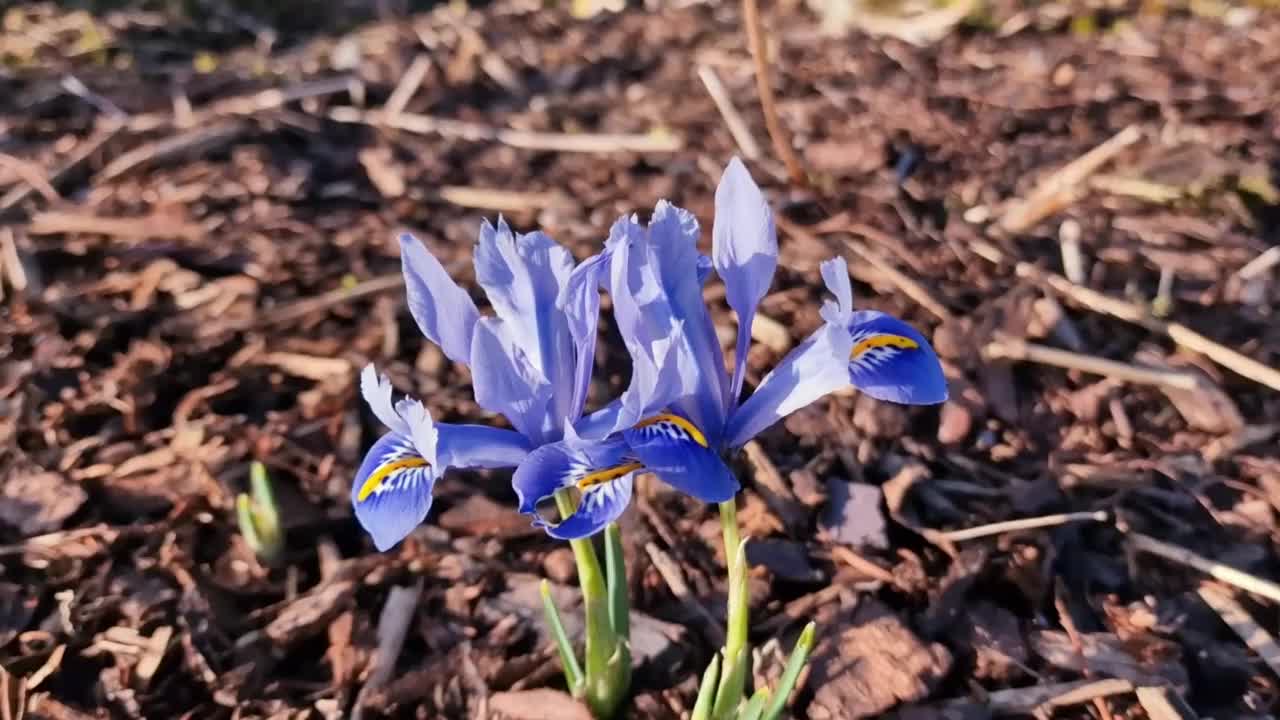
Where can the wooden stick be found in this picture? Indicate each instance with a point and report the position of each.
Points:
(10, 263)
(1098, 302)
(1016, 349)
(1023, 524)
(1162, 703)
(764, 86)
(83, 152)
(408, 85)
(195, 140)
(1212, 568)
(30, 174)
(1057, 190)
(495, 199)
(671, 574)
(1016, 701)
(393, 624)
(1243, 625)
(732, 120)
(56, 222)
(1260, 264)
(554, 142)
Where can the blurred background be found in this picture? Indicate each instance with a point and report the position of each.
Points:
(1078, 202)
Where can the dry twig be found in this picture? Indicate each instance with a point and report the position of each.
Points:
(1016, 349)
(1212, 568)
(732, 119)
(1243, 625)
(1060, 188)
(393, 624)
(1163, 703)
(1123, 310)
(408, 85)
(759, 55)
(1023, 524)
(670, 571)
(526, 139)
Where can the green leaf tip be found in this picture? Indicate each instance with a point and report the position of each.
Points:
(568, 660)
(795, 664)
(258, 517)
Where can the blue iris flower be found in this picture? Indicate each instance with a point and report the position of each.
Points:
(680, 415)
(530, 362)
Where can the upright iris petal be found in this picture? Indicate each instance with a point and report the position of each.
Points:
(506, 382)
(444, 312)
(673, 244)
(580, 303)
(523, 275)
(745, 250)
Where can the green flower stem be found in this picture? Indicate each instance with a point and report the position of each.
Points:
(607, 679)
(735, 556)
(736, 656)
(619, 611)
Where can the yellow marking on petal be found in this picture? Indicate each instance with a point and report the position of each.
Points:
(601, 477)
(679, 422)
(376, 479)
(886, 340)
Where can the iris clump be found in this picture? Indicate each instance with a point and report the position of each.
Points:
(681, 417)
(681, 413)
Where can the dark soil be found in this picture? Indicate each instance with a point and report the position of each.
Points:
(197, 255)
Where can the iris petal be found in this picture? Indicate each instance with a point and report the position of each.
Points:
(523, 275)
(480, 446)
(580, 302)
(392, 490)
(506, 382)
(673, 240)
(892, 361)
(444, 312)
(835, 273)
(704, 269)
(647, 324)
(598, 506)
(745, 250)
(678, 452)
(602, 471)
(376, 390)
(818, 366)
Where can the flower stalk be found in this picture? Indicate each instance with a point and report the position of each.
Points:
(723, 688)
(737, 656)
(606, 609)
